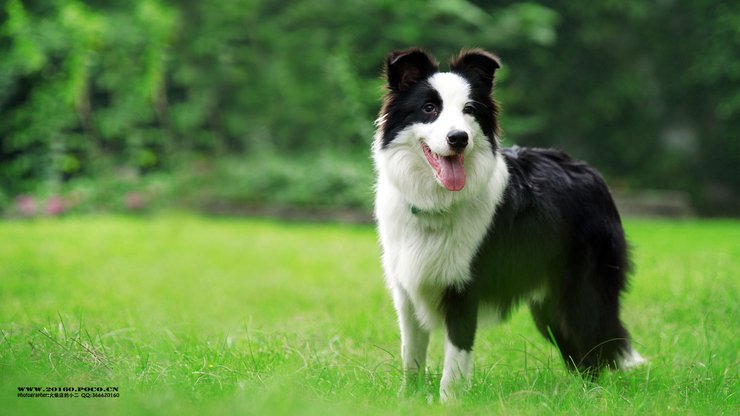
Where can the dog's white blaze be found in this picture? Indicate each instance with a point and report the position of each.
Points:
(455, 93)
(458, 367)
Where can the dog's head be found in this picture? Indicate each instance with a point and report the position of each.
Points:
(437, 131)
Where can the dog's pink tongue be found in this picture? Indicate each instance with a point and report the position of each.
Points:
(451, 172)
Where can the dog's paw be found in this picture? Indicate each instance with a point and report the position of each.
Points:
(447, 396)
(452, 391)
(631, 360)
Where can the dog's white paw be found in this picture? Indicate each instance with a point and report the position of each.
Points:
(631, 359)
(452, 389)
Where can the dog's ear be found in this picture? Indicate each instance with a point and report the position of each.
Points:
(477, 66)
(405, 68)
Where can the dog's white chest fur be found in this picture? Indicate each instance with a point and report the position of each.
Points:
(426, 252)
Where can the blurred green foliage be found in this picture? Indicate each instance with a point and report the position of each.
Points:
(649, 92)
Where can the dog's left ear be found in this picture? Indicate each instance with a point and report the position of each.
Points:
(405, 68)
(478, 66)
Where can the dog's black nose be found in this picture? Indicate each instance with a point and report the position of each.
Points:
(457, 139)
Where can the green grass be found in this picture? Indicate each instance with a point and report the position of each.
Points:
(189, 315)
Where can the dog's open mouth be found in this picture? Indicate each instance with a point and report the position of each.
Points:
(448, 169)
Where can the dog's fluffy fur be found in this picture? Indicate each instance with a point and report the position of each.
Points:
(466, 225)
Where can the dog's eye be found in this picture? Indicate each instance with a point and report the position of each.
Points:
(468, 109)
(429, 108)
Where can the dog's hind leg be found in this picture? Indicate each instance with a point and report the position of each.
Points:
(546, 317)
(584, 324)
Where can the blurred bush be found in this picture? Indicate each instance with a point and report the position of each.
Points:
(325, 180)
(105, 97)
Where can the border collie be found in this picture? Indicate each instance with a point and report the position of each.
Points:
(466, 225)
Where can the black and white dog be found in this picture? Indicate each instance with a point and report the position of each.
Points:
(467, 226)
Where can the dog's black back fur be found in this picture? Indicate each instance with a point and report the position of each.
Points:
(557, 227)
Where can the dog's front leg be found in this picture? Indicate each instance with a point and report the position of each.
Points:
(414, 341)
(461, 315)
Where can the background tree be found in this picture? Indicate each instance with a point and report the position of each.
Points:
(646, 91)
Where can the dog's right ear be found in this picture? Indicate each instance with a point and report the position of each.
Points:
(405, 68)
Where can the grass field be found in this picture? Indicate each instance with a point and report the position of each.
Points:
(189, 315)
